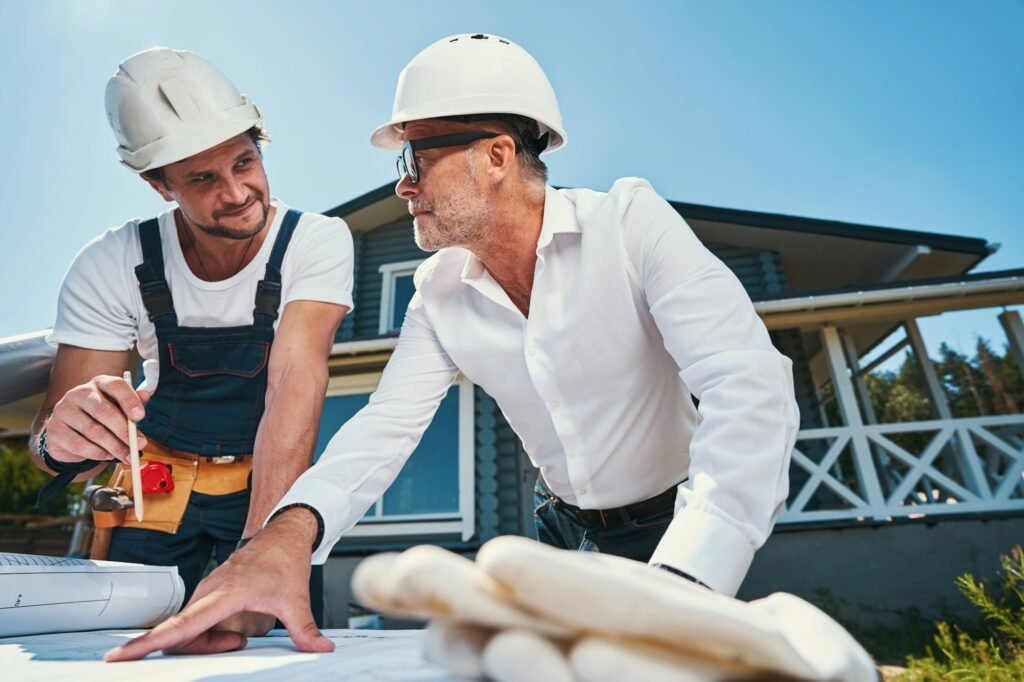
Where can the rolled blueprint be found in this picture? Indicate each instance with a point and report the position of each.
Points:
(43, 594)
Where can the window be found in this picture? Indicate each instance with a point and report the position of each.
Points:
(434, 493)
(396, 292)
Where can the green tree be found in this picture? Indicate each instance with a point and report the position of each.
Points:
(20, 482)
(962, 383)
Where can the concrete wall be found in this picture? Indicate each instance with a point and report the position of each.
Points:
(337, 593)
(880, 576)
(883, 576)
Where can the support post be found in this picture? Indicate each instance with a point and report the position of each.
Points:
(859, 385)
(867, 476)
(1010, 320)
(967, 458)
(931, 379)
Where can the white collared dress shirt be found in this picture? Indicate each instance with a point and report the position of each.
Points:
(629, 315)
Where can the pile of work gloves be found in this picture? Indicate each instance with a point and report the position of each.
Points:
(528, 612)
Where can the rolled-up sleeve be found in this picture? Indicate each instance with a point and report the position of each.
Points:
(739, 455)
(368, 452)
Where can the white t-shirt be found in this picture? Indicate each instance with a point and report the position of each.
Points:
(100, 306)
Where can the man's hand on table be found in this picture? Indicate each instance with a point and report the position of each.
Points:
(270, 576)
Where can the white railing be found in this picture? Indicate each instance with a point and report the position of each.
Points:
(879, 472)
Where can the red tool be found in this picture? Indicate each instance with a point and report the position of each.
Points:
(156, 478)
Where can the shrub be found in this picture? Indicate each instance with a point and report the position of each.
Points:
(996, 654)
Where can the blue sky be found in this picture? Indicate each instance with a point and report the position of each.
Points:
(902, 114)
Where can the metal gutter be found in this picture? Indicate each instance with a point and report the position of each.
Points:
(891, 304)
(901, 294)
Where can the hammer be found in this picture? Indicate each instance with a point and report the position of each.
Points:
(109, 506)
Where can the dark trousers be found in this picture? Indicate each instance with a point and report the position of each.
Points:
(633, 540)
(212, 524)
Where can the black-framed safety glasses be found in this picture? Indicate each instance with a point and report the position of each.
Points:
(406, 161)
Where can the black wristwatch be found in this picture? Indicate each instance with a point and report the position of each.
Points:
(65, 471)
(56, 465)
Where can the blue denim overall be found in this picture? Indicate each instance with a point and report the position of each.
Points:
(209, 401)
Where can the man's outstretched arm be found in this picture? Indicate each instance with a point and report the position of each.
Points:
(269, 575)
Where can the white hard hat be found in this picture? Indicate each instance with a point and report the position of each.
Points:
(166, 105)
(472, 74)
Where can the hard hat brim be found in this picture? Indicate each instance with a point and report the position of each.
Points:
(166, 151)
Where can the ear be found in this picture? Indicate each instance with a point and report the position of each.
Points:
(159, 186)
(501, 157)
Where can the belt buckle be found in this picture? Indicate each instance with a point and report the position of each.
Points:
(224, 459)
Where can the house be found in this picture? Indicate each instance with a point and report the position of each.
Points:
(829, 293)
(885, 525)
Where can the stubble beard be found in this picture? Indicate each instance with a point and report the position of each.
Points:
(238, 234)
(458, 218)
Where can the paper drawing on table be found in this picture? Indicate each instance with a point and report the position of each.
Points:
(41, 594)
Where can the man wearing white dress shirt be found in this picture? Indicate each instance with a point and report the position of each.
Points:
(591, 318)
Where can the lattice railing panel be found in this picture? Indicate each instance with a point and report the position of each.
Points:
(878, 472)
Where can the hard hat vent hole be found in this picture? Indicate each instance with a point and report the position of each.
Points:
(479, 36)
(454, 40)
(505, 42)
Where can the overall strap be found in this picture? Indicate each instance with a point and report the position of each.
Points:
(156, 295)
(268, 291)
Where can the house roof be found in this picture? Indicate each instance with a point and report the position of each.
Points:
(815, 253)
(778, 221)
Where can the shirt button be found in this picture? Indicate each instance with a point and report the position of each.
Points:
(531, 351)
(573, 452)
(554, 404)
(583, 491)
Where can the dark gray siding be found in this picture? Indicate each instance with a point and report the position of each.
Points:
(791, 344)
(760, 272)
(388, 244)
(498, 496)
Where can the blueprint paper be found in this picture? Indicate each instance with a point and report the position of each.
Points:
(42, 594)
(378, 655)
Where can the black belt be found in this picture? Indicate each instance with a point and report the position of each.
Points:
(618, 516)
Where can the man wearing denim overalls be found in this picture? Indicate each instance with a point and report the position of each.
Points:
(231, 299)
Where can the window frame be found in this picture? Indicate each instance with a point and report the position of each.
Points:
(389, 273)
(461, 522)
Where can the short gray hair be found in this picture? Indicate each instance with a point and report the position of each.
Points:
(525, 132)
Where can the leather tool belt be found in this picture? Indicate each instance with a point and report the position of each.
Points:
(191, 473)
(617, 516)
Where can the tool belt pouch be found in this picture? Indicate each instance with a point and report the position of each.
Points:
(164, 511)
(214, 478)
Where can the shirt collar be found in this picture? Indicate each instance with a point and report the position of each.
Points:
(559, 218)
